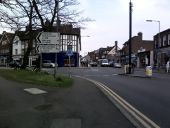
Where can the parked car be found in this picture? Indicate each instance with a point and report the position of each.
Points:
(48, 64)
(14, 64)
(105, 63)
(117, 65)
(111, 63)
(93, 64)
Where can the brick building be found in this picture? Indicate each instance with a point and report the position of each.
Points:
(141, 51)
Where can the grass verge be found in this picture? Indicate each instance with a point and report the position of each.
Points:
(37, 78)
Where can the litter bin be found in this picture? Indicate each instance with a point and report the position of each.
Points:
(149, 71)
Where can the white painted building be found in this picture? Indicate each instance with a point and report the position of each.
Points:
(19, 47)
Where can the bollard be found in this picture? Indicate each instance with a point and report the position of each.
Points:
(125, 69)
(149, 71)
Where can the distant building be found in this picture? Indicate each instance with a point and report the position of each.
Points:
(114, 54)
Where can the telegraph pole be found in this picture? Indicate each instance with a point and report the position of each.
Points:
(56, 59)
(130, 34)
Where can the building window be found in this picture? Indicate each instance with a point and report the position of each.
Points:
(23, 51)
(156, 44)
(69, 40)
(16, 51)
(160, 41)
(16, 42)
(164, 40)
(168, 39)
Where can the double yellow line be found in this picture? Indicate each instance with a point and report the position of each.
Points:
(135, 117)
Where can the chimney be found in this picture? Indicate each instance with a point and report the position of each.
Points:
(140, 35)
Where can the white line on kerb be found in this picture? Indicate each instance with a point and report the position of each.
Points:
(135, 116)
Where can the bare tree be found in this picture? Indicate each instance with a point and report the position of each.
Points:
(17, 14)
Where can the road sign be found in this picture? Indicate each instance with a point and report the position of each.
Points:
(48, 42)
(69, 53)
(47, 48)
(69, 50)
(48, 38)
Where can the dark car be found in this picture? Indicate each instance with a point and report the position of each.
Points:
(14, 64)
(111, 63)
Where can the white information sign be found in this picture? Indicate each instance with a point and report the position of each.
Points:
(48, 38)
(48, 42)
(48, 48)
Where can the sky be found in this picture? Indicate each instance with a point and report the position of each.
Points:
(112, 21)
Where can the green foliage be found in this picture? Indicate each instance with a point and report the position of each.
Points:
(38, 78)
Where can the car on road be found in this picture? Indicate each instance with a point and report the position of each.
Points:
(93, 64)
(48, 64)
(111, 63)
(105, 63)
(117, 65)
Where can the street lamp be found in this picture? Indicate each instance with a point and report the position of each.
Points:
(159, 41)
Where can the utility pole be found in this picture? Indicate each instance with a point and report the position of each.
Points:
(130, 34)
(56, 64)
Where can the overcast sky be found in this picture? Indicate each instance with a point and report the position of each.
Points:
(112, 21)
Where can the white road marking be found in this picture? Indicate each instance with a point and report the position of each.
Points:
(34, 91)
(114, 74)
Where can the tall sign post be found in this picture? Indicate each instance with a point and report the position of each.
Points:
(69, 53)
(48, 42)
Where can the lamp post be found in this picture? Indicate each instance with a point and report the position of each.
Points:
(130, 34)
(158, 43)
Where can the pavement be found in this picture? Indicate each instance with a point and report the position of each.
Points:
(141, 72)
(81, 106)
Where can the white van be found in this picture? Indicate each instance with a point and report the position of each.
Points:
(105, 63)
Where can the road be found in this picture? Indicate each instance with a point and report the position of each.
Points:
(79, 106)
(149, 96)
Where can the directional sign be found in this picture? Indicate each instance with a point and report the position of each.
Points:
(47, 48)
(48, 38)
(48, 42)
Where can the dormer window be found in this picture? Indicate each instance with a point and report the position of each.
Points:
(16, 40)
